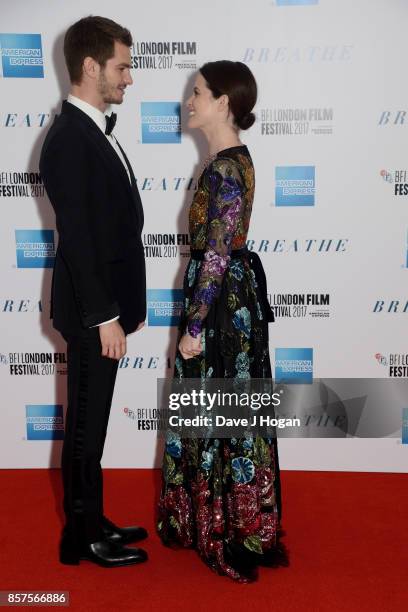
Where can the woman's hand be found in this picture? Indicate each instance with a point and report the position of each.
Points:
(190, 347)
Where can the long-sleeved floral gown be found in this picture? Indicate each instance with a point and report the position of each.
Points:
(222, 496)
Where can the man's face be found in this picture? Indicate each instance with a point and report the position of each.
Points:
(115, 76)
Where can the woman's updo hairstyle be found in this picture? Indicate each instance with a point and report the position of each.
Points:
(235, 80)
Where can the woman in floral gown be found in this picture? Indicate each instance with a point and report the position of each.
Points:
(222, 496)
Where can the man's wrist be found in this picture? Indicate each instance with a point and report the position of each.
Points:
(105, 322)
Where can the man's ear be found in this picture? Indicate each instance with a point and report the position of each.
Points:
(90, 67)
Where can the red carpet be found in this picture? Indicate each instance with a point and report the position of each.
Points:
(347, 537)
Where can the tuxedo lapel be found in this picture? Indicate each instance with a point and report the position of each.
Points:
(135, 190)
(100, 141)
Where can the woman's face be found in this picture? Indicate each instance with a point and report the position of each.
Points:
(203, 107)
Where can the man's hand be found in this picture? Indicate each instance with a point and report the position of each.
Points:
(142, 324)
(190, 347)
(113, 340)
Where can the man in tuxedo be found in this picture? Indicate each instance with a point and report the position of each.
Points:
(99, 287)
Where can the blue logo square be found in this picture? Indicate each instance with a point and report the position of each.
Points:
(294, 366)
(164, 306)
(295, 186)
(35, 248)
(404, 433)
(45, 422)
(21, 56)
(295, 2)
(161, 122)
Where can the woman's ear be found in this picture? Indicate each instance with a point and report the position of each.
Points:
(223, 103)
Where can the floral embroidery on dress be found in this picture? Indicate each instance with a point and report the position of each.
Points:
(222, 496)
(225, 190)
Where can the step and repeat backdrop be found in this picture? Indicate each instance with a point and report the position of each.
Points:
(329, 221)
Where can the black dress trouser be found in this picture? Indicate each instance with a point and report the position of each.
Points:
(91, 381)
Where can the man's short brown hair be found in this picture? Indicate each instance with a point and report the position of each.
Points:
(92, 37)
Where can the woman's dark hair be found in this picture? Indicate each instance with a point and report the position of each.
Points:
(92, 37)
(235, 80)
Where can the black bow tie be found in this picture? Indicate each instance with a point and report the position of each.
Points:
(110, 123)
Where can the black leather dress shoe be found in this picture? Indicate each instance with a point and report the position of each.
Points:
(106, 554)
(121, 535)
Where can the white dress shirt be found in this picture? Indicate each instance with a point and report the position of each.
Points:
(99, 118)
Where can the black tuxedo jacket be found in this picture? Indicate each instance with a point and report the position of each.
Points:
(99, 270)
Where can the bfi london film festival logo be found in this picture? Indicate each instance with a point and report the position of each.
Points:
(296, 121)
(21, 185)
(45, 422)
(398, 179)
(148, 419)
(164, 55)
(300, 305)
(295, 186)
(161, 122)
(35, 364)
(21, 56)
(396, 364)
(158, 246)
(294, 366)
(164, 307)
(35, 248)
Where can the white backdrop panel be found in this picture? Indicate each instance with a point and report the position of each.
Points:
(327, 72)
